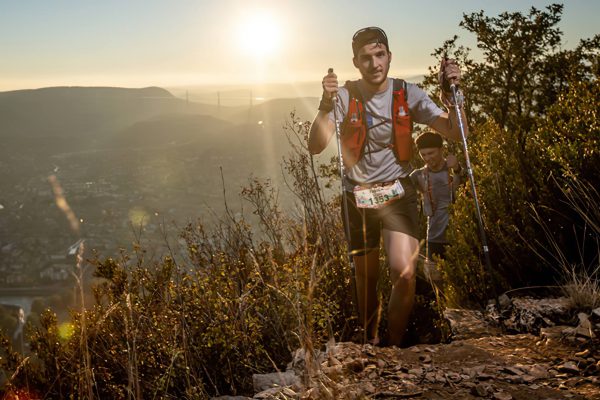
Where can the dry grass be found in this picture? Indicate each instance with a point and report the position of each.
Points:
(581, 280)
(233, 299)
(582, 288)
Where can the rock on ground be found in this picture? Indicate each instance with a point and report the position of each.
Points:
(482, 362)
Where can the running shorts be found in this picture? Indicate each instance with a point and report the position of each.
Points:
(366, 223)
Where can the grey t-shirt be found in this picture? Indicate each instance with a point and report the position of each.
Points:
(438, 189)
(441, 194)
(379, 163)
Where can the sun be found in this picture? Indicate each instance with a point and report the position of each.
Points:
(259, 34)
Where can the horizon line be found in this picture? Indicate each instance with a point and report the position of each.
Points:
(191, 85)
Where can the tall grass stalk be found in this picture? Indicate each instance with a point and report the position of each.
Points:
(581, 280)
(87, 386)
(133, 384)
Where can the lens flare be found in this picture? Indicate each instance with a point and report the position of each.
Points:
(138, 217)
(21, 394)
(61, 202)
(66, 330)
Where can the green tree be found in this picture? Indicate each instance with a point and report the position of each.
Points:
(516, 48)
(523, 70)
(532, 108)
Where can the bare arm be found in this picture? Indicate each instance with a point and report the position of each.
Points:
(447, 124)
(321, 132)
(322, 128)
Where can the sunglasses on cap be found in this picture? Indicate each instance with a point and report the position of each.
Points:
(368, 35)
(369, 29)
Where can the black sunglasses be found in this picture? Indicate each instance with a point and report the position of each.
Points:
(369, 30)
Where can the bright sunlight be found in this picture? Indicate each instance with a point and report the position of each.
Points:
(259, 33)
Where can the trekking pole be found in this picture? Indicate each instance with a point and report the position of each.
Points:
(344, 195)
(482, 235)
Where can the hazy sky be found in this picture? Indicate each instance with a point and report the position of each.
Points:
(138, 43)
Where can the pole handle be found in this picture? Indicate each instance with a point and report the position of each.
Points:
(334, 96)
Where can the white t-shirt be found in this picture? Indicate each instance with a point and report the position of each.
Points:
(379, 164)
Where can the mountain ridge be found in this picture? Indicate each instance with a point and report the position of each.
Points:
(98, 112)
(55, 89)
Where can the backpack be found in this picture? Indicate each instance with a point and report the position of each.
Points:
(354, 128)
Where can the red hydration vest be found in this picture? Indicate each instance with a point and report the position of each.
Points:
(354, 128)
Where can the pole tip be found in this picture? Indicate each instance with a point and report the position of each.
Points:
(330, 71)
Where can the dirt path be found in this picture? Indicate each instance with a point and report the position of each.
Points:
(481, 362)
(497, 367)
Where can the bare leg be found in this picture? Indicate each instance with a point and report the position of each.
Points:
(402, 251)
(367, 274)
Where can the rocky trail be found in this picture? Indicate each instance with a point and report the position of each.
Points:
(499, 367)
(527, 352)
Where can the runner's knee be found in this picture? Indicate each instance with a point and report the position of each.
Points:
(402, 271)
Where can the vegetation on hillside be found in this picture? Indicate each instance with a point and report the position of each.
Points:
(533, 109)
(242, 300)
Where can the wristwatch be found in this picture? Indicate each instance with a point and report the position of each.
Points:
(326, 104)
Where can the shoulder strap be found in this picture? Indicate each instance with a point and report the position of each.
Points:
(353, 91)
(400, 84)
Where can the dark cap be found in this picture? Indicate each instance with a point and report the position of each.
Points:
(368, 35)
(428, 140)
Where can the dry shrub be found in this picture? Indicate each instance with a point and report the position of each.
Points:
(238, 301)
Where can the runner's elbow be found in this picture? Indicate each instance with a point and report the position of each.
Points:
(316, 141)
(314, 148)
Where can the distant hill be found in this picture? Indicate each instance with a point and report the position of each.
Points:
(72, 123)
(278, 110)
(205, 136)
(169, 129)
(77, 111)
(242, 123)
(97, 112)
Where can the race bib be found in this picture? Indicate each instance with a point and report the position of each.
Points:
(378, 196)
